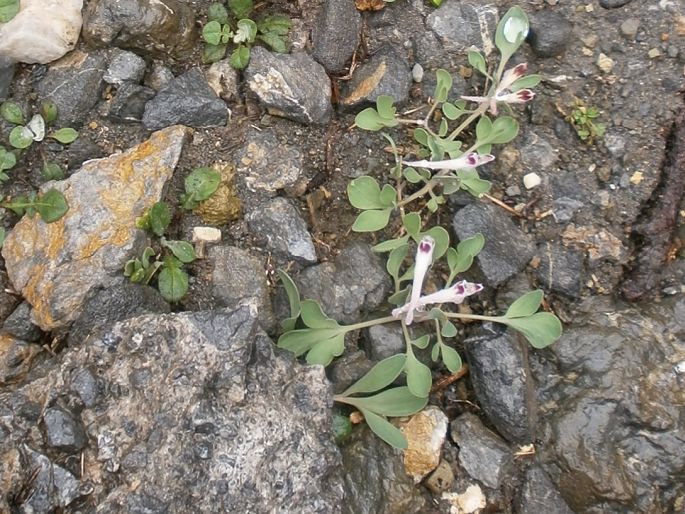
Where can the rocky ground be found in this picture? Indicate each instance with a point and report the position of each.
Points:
(113, 400)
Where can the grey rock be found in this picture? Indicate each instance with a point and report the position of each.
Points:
(74, 83)
(460, 25)
(224, 80)
(239, 279)
(19, 324)
(550, 33)
(125, 67)
(560, 269)
(349, 368)
(507, 249)
(119, 301)
(84, 384)
(538, 494)
(292, 86)
(482, 454)
(186, 100)
(615, 143)
(158, 28)
(355, 281)
(53, 486)
(81, 150)
(336, 34)
(158, 76)
(384, 341)
(612, 4)
(375, 479)
(537, 154)
(265, 164)
(565, 208)
(6, 76)
(63, 431)
(503, 385)
(16, 357)
(219, 402)
(386, 73)
(129, 102)
(280, 227)
(630, 27)
(57, 266)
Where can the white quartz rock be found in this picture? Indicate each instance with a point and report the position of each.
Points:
(42, 31)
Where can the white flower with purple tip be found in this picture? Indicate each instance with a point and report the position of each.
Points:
(470, 160)
(503, 94)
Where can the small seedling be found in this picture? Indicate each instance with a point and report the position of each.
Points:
(232, 25)
(584, 121)
(50, 206)
(200, 184)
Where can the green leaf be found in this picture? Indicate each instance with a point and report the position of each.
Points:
(292, 292)
(21, 137)
(182, 250)
(370, 221)
(477, 61)
(7, 159)
(511, 32)
(504, 129)
(400, 297)
(451, 112)
(240, 57)
(172, 283)
(395, 260)
(202, 183)
(442, 241)
(381, 375)
(443, 85)
(419, 379)
(398, 401)
(64, 135)
(240, 8)
(448, 329)
(385, 108)
(473, 183)
(421, 136)
(412, 222)
(211, 32)
(148, 254)
(213, 53)
(2, 236)
(388, 196)
(412, 176)
(276, 24)
(302, 340)
(274, 41)
(217, 12)
(341, 427)
(324, 351)
(385, 430)
(526, 82)
(370, 119)
(8, 10)
(159, 217)
(461, 259)
(11, 111)
(314, 317)
(48, 109)
(451, 358)
(525, 306)
(483, 129)
(422, 342)
(365, 193)
(247, 31)
(51, 206)
(541, 329)
(391, 244)
(50, 171)
(435, 352)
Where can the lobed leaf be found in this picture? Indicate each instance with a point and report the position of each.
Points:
(541, 329)
(527, 305)
(398, 401)
(372, 220)
(381, 375)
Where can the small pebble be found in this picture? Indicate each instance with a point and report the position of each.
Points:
(605, 63)
(206, 234)
(417, 72)
(654, 53)
(629, 28)
(513, 191)
(531, 180)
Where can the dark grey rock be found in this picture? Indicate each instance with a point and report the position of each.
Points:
(16, 357)
(611, 4)
(84, 384)
(158, 28)
(279, 226)
(560, 269)
(158, 76)
(384, 341)
(550, 33)
(507, 249)
(375, 479)
(336, 34)
(53, 486)
(106, 306)
(460, 25)
(565, 208)
(537, 154)
(125, 67)
(355, 281)
(186, 100)
(74, 84)
(266, 164)
(63, 430)
(502, 382)
(483, 455)
(81, 150)
(292, 86)
(538, 494)
(239, 279)
(6, 76)
(19, 324)
(386, 73)
(8, 302)
(348, 368)
(129, 102)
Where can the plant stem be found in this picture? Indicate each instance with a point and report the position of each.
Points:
(425, 189)
(370, 323)
(482, 108)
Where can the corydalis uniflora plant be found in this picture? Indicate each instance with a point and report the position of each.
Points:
(443, 166)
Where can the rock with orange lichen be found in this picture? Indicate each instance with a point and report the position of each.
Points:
(425, 433)
(386, 73)
(55, 266)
